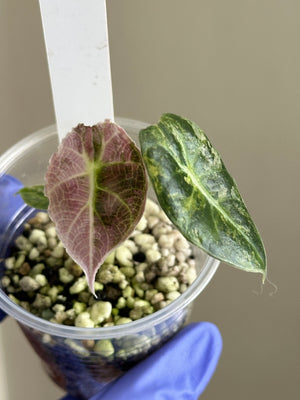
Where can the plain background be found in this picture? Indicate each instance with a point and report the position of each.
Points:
(233, 67)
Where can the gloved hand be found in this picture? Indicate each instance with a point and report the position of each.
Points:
(181, 369)
(10, 203)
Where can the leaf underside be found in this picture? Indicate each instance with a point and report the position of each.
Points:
(198, 194)
(96, 184)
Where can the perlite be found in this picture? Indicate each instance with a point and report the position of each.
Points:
(100, 311)
(143, 275)
(110, 273)
(79, 286)
(23, 243)
(123, 320)
(41, 301)
(152, 255)
(83, 320)
(58, 251)
(79, 307)
(104, 347)
(41, 280)
(167, 284)
(34, 253)
(144, 240)
(35, 235)
(28, 284)
(37, 269)
(5, 281)
(10, 262)
(124, 256)
(65, 276)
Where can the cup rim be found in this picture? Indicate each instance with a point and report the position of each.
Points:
(24, 317)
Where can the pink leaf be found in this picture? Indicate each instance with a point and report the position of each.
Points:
(96, 184)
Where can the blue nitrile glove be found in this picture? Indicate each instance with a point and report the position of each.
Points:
(180, 370)
(9, 204)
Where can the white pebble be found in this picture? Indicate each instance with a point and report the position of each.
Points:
(183, 287)
(43, 217)
(79, 286)
(42, 243)
(110, 259)
(5, 281)
(161, 229)
(181, 243)
(51, 232)
(151, 208)
(180, 256)
(35, 235)
(191, 275)
(77, 348)
(144, 241)
(140, 277)
(163, 217)
(41, 301)
(10, 262)
(166, 241)
(58, 308)
(172, 295)
(20, 260)
(104, 347)
(171, 260)
(16, 279)
(167, 284)
(130, 244)
(52, 242)
(142, 224)
(165, 252)
(58, 251)
(34, 253)
(46, 338)
(83, 320)
(152, 256)
(65, 276)
(124, 256)
(100, 311)
(23, 243)
(157, 298)
(28, 284)
(152, 221)
(141, 267)
(41, 280)
(123, 320)
(37, 269)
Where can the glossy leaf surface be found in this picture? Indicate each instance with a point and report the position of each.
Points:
(96, 185)
(197, 193)
(34, 197)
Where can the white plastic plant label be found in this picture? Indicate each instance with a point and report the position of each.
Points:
(77, 47)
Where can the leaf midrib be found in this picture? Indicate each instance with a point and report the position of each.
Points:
(202, 189)
(92, 168)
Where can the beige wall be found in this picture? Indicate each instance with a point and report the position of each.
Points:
(233, 67)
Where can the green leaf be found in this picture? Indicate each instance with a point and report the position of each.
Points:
(34, 197)
(197, 193)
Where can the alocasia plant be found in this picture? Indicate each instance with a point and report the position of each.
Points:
(96, 185)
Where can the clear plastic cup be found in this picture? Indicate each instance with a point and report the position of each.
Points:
(66, 351)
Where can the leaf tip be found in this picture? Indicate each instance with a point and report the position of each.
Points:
(264, 275)
(91, 283)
